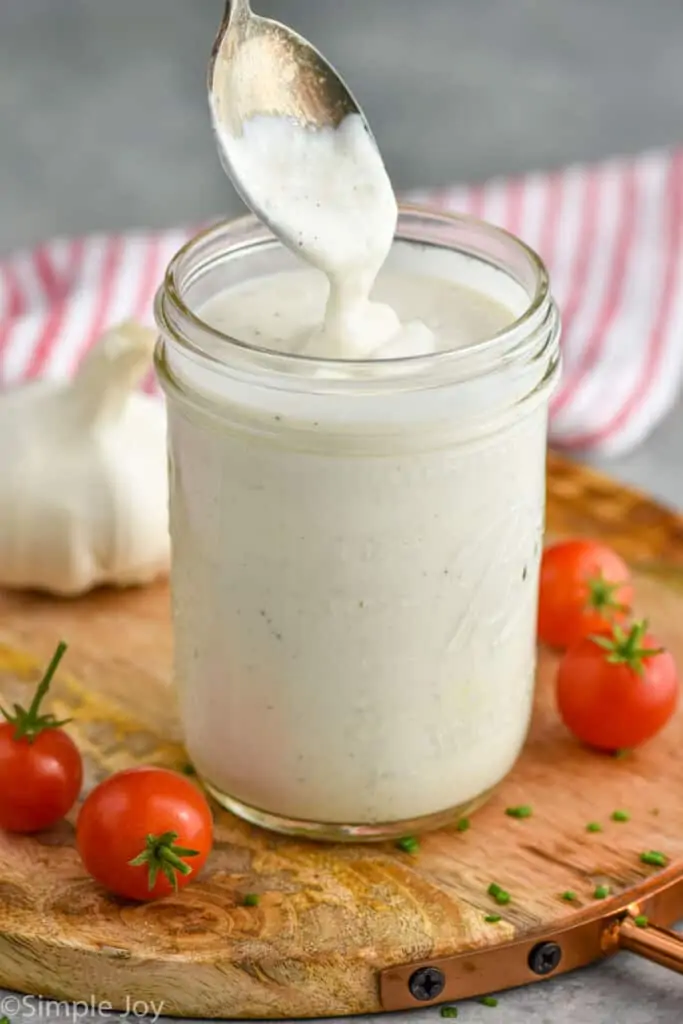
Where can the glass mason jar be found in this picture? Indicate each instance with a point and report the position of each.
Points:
(356, 554)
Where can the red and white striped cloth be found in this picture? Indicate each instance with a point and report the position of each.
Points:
(611, 235)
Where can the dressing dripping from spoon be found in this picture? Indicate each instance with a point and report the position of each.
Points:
(301, 155)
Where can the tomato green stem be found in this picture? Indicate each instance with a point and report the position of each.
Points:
(626, 648)
(602, 595)
(29, 723)
(162, 854)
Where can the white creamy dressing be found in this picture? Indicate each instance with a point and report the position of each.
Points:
(327, 192)
(354, 614)
(355, 620)
(276, 311)
(355, 633)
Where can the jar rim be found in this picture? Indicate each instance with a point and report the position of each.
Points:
(520, 330)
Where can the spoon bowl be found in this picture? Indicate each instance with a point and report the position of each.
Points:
(261, 68)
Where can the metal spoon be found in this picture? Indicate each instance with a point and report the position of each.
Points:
(260, 67)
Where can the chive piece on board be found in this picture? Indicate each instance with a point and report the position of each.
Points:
(500, 895)
(492, 918)
(523, 811)
(252, 899)
(601, 892)
(449, 1011)
(463, 825)
(569, 896)
(593, 826)
(489, 1001)
(641, 921)
(409, 844)
(621, 816)
(654, 858)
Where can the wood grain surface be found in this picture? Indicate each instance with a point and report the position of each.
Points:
(330, 918)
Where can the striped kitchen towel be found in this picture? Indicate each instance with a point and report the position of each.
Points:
(610, 233)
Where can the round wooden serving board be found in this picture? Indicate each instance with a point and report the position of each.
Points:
(330, 919)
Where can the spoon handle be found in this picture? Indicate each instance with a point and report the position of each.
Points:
(236, 9)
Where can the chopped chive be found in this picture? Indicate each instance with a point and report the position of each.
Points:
(188, 769)
(492, 918)
(641, 921)
(654, 858)
(621, 754)
(593, 826)
(523, 811)
(252, 899)
(621, 816)
(569, 896)
(500, 895)
(463, 825)
(409, 844)
(449, 1011)
(601, 892)
(489, 1001)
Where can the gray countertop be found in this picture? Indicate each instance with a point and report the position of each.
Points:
(103, 126)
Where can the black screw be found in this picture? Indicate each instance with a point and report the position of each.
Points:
(427, 983)
(545, 957)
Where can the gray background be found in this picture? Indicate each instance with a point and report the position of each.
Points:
(103, 124)
(103, 118)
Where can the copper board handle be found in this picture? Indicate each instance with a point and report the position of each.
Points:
(596, 934)
(659, 945)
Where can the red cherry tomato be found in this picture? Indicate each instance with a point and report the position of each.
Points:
(41, 771)
(144, 832)
(616, 691)
(585, 587)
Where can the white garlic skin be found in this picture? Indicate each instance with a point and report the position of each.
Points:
(83, 475)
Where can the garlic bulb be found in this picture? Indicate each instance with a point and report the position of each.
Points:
(83, 479)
